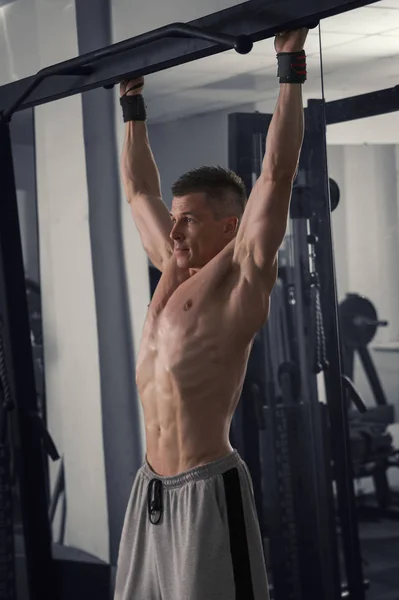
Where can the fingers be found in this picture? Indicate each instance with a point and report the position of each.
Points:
(302, 32)
(132, 86)
(291, 41)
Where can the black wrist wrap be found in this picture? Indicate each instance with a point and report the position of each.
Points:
(292, 67)
(133, 108)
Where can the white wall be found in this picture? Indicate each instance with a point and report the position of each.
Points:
(69, 312)
(366, 226)
(366, 244)
(382, 129)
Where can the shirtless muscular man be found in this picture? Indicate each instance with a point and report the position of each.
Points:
(191, 529)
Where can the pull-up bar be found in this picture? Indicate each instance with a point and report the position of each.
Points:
(237, 27)
(84, 65)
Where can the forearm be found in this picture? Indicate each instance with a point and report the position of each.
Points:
(139, 171)
(285, 135)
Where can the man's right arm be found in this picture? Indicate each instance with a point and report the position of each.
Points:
(142, 187)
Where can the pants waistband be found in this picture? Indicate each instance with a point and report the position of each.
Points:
(211, 469)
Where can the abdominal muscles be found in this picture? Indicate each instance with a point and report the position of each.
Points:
(189, 377)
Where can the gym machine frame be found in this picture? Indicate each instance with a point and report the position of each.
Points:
(160, 49)
(242, 129)
(299, 510)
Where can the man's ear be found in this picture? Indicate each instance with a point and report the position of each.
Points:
(231, 226)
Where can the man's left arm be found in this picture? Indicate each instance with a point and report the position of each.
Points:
(264, 222)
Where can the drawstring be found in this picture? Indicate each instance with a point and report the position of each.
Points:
(155, 505)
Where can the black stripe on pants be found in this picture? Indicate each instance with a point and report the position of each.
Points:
(238, 536)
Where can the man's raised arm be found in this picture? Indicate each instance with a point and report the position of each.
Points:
(264, 222)
(141, 181)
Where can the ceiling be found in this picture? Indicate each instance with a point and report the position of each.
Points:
(360, 54)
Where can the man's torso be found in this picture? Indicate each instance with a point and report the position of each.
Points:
(192, 363)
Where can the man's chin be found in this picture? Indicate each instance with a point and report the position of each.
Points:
(183, 259)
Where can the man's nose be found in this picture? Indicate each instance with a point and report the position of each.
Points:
(176, 233)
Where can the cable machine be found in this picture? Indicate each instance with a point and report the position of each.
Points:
(292, 425)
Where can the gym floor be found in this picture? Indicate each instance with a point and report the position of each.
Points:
(380, 551)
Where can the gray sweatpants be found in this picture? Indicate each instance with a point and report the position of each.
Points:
(194, 536)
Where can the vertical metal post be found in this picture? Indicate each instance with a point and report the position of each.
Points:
(298, 503)
(321, 224)
(14, 311)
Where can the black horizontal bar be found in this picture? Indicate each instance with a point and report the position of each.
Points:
(363, 106)
(83, 65)
(260, 19)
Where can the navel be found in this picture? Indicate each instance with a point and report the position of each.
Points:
(188, 305)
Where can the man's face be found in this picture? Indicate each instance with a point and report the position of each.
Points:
(196, 234)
